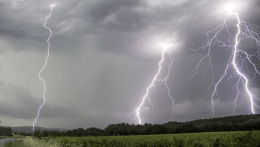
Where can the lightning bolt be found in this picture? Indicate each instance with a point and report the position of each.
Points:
(47, 17)
(146, 96)
(245, 31)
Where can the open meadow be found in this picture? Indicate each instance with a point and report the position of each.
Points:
(209, 139)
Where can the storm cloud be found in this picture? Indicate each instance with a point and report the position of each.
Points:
(104, 54)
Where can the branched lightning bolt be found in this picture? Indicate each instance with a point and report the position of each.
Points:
(146, 96)
(245, 31)
(45, 63)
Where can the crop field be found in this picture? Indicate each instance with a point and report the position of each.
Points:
(191, 139)
(210, 139)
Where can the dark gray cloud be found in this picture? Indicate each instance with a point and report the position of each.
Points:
(113, 24)
(102, 9)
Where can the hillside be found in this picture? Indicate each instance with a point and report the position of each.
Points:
(226, 119)
(28, 129)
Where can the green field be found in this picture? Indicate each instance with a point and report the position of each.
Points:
(211, 139)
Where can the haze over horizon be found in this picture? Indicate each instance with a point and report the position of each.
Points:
(104, 54)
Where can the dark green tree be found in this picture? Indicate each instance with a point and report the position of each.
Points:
(45, 133)
(37, 133)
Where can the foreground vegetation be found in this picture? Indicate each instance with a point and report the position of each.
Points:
(32, 142)
(209, 139)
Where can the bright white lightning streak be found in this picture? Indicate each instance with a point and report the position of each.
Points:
(246, 33)
(152, 84)
(45, 63)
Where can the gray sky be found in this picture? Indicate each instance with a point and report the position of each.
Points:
(105, 53)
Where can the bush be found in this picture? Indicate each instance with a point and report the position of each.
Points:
(39, 136)
(52, 136)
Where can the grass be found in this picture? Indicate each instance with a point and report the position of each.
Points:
(32, 142)
(210, 139)
(16, 143)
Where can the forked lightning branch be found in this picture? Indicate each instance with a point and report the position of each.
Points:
(244, 31)
(165, 47)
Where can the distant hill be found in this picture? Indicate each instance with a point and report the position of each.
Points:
(28, 129)
(227, 119)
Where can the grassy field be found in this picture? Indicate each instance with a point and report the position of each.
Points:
(211, 139)
(32, 142)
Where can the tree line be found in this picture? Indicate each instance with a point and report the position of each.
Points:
(5, 131)
(229, 123)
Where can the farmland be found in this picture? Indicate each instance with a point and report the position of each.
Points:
(209, 139)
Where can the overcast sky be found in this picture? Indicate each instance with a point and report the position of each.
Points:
(105, 53)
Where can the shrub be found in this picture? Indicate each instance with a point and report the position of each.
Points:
(39, 136)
